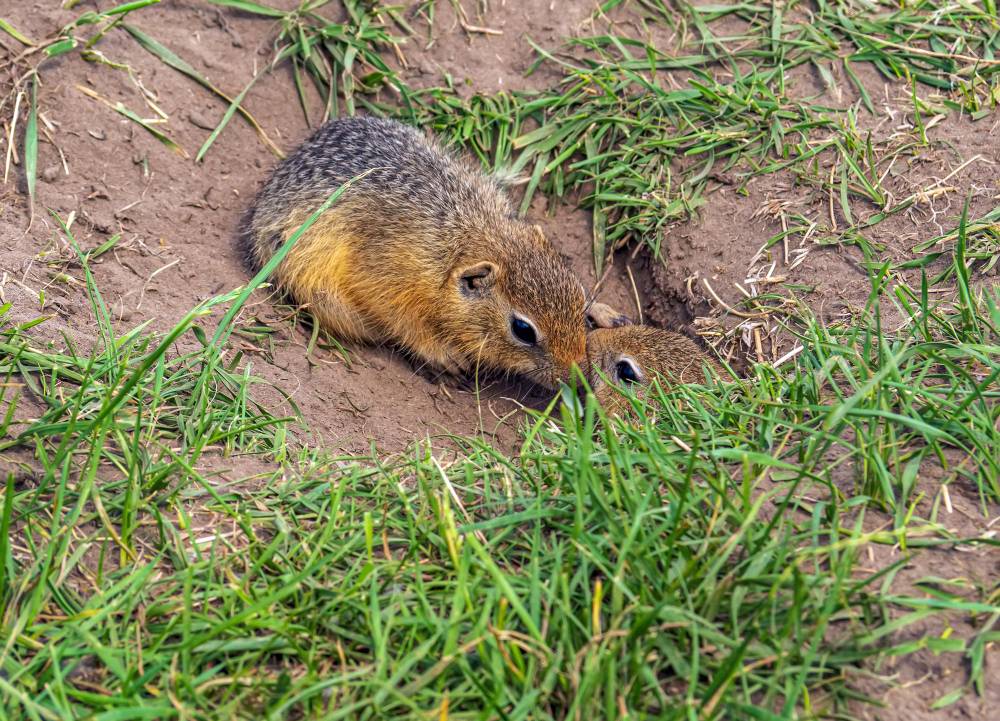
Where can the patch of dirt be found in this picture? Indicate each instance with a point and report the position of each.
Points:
(909, 686)
(712, 263)
(178, 220)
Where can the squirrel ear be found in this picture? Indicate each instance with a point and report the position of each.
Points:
(475, 280)
(538, 235)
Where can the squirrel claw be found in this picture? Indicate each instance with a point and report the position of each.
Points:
(601, 315)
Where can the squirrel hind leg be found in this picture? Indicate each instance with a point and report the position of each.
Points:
(339, 318)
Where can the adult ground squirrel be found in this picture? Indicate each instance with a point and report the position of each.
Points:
(633, 355)
(425, 251)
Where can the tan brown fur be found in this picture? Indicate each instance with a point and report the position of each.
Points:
(657, 353)
(396, 258)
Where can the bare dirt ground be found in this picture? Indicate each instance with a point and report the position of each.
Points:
(178, 221)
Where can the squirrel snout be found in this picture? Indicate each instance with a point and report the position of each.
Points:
(567, 366)
(552, 373)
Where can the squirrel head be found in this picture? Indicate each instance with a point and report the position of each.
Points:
(629, 358)
(521, 309)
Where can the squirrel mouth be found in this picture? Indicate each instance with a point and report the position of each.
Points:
(542, 376)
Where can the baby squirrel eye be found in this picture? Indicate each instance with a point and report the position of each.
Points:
(523, 330)
(627, 372)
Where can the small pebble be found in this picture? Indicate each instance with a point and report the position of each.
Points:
(50, 173)
(200, 121)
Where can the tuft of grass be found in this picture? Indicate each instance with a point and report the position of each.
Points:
(342, 60)
(888, 407)
(639, 131)
(981, 247)
(639, 152)
(702, 558)
(133, 381)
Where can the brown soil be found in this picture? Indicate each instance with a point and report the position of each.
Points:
(721, 252)
(178, 221)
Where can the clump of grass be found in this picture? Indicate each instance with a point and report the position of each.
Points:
(132, 406)
(134, 391)
(950, 48)
(890, 406)
(640, 146)
(702, 559)
(639, 152)
(342, 60)
(981, 247)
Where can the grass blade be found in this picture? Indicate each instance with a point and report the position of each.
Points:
(225, 325)
(126, 8)
(122, 110)
(170, 58)
(15, 33)
(250, 7)
(31, 145)
(227, 116)
(8, 512)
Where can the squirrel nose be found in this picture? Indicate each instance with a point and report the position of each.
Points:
(569, 369)
(569, 360)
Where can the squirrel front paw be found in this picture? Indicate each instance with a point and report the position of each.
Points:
(601, 315)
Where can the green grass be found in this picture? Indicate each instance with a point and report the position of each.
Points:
(638, 130)
(702, 561)
(170, 548)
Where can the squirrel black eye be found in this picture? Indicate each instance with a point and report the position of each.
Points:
(523, 330)
(627, 372)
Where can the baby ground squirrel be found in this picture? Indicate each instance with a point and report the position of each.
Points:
(633, 355)
(425, 251)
